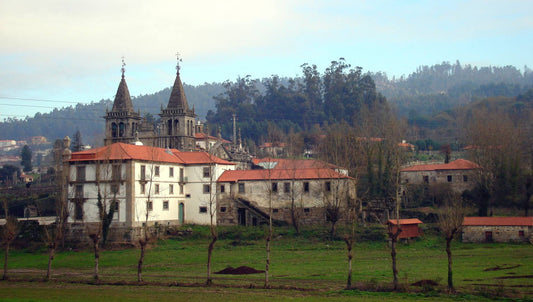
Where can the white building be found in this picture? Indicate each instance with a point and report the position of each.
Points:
(172, 187)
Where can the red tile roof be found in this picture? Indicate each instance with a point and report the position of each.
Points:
(202, 136)
(295, 163)
(460, 164)
(405, 221)
(280, 174)
(499, 221)
(193, 158)
(121, 151)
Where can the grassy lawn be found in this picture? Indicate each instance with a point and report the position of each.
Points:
(301, 268)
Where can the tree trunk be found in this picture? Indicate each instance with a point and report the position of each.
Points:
(294, 217)
(333, 229)
(394, 267)
(209, 253)
(96, 241)
(6, 256)
(267, 266)
(142, 243)
(449, 252)
(349, 248)
(51, 254)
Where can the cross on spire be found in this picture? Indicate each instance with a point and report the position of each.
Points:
(123, 69)
(178, 64)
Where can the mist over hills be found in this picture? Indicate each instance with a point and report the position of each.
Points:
(421, 96)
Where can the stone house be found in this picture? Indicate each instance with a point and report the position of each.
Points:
(458, 174)
(497, 229)
(299, 193)
(149, 184)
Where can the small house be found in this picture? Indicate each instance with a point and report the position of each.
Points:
(410, 228)
(497, 229)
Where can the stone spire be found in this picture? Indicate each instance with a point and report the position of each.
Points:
(177, 96)
(123, 101)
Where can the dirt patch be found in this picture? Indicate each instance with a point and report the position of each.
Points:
(241, 270)
(516, 277)
(502, 267)
(425, 282)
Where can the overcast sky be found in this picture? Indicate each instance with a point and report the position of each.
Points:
(60, 52)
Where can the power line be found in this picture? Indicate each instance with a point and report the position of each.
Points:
(37, 100)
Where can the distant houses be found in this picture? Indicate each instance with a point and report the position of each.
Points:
(457, 174)
(497, 229)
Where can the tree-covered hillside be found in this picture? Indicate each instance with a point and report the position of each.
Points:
(426, 97)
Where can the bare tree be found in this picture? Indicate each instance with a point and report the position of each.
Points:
(106, 190)
(55, 234)
(270, 228)
(450, 222)
(9, 232)
(212, 209)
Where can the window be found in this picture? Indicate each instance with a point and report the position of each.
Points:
(307, 210)
(115, 188)
(171, 172)
(181, 189)
(149, 205)
(241, 188)
(80, 173)
(207, 172)
(203, 209)
(156, 171)
(165, 205)
(181, 174)
(223, 209)
(156, 189)
(143, 172)
(143, 188)
(116, 173)
(306, 187)
(426, 179)
(115, 213)
(79, 192)
(275, 187)
(79, 210)
(207, 189)
(521, 234)
(465, 178)
(449, 177)
(170, 189)
(222, 188)
(328, 186)
(275, 210)
(287, 187)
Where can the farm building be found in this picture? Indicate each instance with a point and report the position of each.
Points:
(497, 229)
(409, 227)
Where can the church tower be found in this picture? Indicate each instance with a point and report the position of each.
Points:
(122, 122)
(177, 128)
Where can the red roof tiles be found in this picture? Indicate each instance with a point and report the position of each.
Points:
(498, 221)
(460, 164)
(121, 151)
(280, 174)
(405, 221)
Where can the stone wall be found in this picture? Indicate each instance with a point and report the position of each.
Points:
(496, 234)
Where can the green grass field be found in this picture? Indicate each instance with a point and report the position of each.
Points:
(301, 268)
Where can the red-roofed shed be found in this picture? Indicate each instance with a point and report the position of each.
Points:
(409, 227)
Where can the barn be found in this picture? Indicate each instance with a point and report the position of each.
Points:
(409, 227)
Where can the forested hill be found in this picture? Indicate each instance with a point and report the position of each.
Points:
(314, 98)
(88, 118)
(431, 89)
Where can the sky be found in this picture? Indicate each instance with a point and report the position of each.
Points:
(57, 53)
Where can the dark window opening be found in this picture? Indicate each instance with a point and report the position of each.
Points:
(306, 187)
(275, 187)
(241, 188)
(203, 209)
(287, 187)
(223, 209)
(449, 178)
